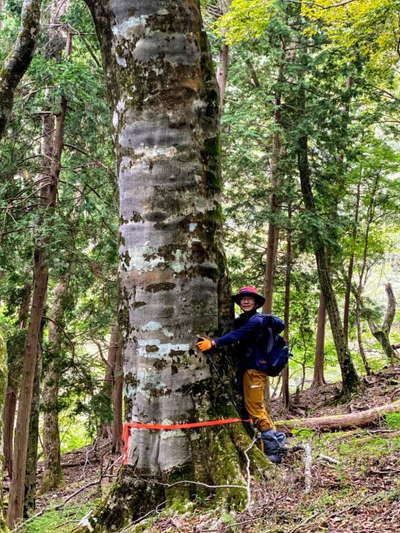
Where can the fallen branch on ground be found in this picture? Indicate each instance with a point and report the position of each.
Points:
(327, 423)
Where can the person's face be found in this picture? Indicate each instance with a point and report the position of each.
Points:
(247, 303)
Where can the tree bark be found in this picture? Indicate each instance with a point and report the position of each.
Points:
(382, 333)
(3, 381)
(48, 194)
(289, 261)
(118, 381)
(350, 269)
(273, 228)
(52, 475)
(18, 61)
(350, 380)
(342, 421)
(105, 431)
(15, 357)
(165, 100)
(222, 73)
(33, 436)
(319, 379)
(360, 340)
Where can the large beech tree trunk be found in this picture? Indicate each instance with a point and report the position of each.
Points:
(165, 102)
(19, 59)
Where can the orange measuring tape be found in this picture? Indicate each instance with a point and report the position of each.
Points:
(139, 425)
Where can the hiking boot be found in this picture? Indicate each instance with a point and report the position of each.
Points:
(276, 459)
(274, 445)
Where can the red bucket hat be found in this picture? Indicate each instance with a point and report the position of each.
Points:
(249, 291)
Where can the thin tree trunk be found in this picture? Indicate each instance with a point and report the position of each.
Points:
(319, 379)
(105, 431)
(222, 72)
(289, 260)
(273, 229)
(48, 195)
(382, 333)
(15, 357)
(17, 487)
(52, 475)
(350, 380)
(3, 381)
(33, 436)
(118, 382)
(18, 61)
(350, 269)
(360, 340)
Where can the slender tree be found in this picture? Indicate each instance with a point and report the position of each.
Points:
(318, 378)
(3, 382)
(52, 148)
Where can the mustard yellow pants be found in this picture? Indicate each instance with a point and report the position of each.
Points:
(254, 383)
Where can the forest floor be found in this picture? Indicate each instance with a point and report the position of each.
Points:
(348, 481)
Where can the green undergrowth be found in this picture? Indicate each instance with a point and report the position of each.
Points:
(63, 521)
(352, 471)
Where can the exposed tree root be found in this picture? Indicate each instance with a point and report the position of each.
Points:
(221, 468)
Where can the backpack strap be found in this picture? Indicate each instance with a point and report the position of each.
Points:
(268, 333)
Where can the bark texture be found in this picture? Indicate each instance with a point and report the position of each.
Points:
(14, 361)
(288, 281)
(117, 391)
(165, 102)
(318, 378)
(381, 333)
(52, 475)
(105, 431)
(3, 382)
(33, 437)
(19, 59)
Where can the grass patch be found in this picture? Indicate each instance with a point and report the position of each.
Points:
(63, 521)
(393, 420)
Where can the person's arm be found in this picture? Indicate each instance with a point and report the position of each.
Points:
(253, 325)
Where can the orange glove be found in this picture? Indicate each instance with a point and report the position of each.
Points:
(205, 344)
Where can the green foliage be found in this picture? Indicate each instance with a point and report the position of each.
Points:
(393, 420)
(74, 433)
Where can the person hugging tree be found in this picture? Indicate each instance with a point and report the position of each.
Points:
(250, 334)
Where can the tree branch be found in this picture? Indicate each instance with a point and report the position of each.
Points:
(19, 60)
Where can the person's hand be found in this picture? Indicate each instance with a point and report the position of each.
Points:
(205, 344)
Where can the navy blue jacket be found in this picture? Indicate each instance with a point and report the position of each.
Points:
(249, 328)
